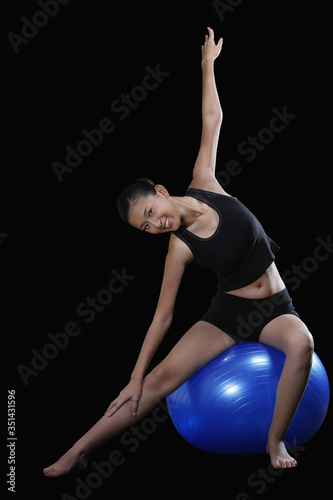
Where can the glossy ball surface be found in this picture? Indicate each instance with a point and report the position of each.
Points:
(227, 406)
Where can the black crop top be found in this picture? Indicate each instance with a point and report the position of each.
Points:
(239, 251)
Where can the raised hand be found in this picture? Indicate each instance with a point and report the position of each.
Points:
(210, 50)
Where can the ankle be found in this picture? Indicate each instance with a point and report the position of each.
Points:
(274, 438)
(81, 450)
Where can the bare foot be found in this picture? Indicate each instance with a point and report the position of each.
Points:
(280, 458)
(72, 459)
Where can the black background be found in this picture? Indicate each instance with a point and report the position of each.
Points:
(60, 241)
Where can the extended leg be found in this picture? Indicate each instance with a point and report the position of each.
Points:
(202, 343)
(288, 334)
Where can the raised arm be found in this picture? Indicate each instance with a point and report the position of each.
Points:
(211, 110)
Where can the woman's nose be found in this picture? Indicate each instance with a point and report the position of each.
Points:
(156, 223)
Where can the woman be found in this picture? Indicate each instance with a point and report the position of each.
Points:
(215, 229)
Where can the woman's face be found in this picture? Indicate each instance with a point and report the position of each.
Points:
(154, 214)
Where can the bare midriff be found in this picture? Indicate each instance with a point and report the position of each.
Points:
(268, 284)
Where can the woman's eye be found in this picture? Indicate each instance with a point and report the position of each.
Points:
(150, 212)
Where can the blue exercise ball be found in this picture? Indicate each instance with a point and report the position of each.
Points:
(227, 406)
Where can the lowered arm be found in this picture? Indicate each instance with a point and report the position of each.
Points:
(178, 257)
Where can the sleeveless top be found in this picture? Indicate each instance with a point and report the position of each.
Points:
(239, 251)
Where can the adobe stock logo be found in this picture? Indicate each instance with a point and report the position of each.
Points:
(255, 144)
(222, 8)
(298, 273)
(30, 27)
(122, 108)
(293, 278)
(87, 309)
(3, 236)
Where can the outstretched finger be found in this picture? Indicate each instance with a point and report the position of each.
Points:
(211, 33)
(114, 406)
(135, 404)
(220, 43)
(113, 410)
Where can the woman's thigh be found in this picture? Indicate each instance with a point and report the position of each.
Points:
(287, 333)
(199, 345)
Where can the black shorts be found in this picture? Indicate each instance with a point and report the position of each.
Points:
(244, 319)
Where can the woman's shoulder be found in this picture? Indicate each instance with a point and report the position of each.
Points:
(207, 182)
(179, 252)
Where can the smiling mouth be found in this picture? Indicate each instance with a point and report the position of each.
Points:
(167, 223)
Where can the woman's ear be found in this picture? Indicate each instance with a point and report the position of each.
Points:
(161, 189)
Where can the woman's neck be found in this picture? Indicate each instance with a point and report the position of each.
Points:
(188, 209)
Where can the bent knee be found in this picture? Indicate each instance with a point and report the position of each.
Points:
(300, 347)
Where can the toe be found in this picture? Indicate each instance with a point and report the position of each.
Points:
(276, 464)
(291, 463)
(50, 472)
